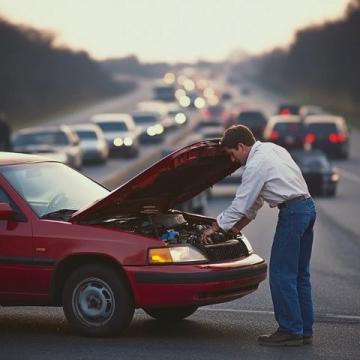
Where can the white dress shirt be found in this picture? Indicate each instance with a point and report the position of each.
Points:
(270, 174)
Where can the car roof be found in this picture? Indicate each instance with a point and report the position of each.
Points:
(285, 118)
(111, 117)
(34, 130)
(10, 158)
(88, 126)
(324, 118)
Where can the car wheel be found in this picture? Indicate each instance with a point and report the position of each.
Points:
(97, 302)
(172, 313)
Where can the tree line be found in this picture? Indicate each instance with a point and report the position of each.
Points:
(38, 78)
(323, 58)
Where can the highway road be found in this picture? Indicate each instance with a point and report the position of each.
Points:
(223, 331)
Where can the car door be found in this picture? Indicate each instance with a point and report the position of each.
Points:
(15, 253)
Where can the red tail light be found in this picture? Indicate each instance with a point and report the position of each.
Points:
(310, 138)
(285, 111)
(337, 138)
(274, 135)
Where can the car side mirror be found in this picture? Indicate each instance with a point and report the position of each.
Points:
(6, 212)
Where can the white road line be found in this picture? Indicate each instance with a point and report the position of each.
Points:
(349, 176)
(266, 312)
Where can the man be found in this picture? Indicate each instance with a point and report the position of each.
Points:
(271, 175)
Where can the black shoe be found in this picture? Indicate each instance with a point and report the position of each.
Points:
(307, 339)
(280, 338)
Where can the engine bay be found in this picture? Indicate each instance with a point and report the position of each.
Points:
(175, 228)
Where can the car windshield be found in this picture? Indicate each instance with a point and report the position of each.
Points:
(144, 119)
(42, 138)
(322, 128)
(86, 134)
(113, 126)
(313, 162)
(286, 127)
(252, 118)
(49, 186)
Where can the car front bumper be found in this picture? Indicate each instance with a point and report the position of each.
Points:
(201, 284)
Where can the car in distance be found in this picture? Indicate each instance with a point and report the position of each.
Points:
(288, 109)
(254, 120)
(285, 130)
(92, 142)
(120, 132)
(150, 125)
(320, 176)
(328, 133)
(101, 254)
(58, 142)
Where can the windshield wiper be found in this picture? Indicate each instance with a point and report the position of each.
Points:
(62, 214)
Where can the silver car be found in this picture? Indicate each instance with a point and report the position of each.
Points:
(58, 142)
(92, 142)
(120, 132)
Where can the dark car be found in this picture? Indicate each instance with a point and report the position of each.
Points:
(101, 254)
(321, 177)
(288, 109)
(285, 130)
(254, 120)
(328, 133)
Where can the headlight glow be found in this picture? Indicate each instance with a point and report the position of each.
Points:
(185, 101)
(151, 131)
(118, 142)
(180, 118)
(335, 177)
(175, 254)
(128, 141)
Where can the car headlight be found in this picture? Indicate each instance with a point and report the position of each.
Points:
(180, 118)
(128, 141)
(175, 254)
(334, 177)
(150, 131)
(118, 142)
(247, 244)
(159, 129)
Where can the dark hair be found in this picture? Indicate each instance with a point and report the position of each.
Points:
(237, 134)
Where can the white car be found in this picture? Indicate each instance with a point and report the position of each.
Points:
(92, 142)
(120, 132)
(150, 126)
(60, 143)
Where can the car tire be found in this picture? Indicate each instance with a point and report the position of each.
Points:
(97, 301)
(171, 314)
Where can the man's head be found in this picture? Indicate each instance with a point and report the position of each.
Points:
(237, 141)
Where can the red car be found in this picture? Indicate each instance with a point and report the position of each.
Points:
(67, 241)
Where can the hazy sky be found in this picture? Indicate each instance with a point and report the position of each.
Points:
(171, 30)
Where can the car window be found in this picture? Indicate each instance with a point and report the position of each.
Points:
(144, 119)
(286, 127)
(251, 118)
(3, 197)
(86, 134)
(40, 184)
(322, 128)
(42, 138)
(113, 126)
(312, 161)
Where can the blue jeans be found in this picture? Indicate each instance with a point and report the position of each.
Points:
(289, 268)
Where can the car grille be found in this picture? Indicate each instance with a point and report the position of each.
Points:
(229, 250)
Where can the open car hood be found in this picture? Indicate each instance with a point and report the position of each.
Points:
(172, 180)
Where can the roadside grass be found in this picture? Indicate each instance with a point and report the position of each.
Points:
(50, 115)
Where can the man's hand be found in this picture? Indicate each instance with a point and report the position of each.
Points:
(208, 232)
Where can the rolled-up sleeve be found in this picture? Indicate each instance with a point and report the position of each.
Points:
(247, 200)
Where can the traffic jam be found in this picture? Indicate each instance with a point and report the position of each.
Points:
(101, 254)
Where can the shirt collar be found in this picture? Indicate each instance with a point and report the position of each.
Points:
(252, 151)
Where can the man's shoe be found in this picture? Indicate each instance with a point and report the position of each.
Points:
(280, 338)
(307, 339)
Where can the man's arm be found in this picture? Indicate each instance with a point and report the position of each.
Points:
(236, 229)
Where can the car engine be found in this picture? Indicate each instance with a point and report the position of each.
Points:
(182, 228)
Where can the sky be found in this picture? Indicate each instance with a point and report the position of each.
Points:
(171, 30)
